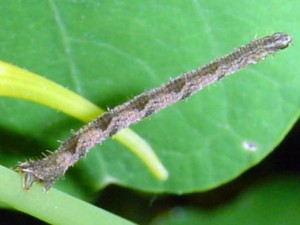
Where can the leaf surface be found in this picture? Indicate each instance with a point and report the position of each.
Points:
(110, 51)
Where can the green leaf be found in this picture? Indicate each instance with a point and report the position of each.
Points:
(110, 51)
(273, 202)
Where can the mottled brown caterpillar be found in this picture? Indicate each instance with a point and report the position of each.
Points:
(53, 166)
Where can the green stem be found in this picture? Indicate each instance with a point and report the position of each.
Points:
(54, 207)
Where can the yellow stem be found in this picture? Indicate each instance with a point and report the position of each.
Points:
(19, 83)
